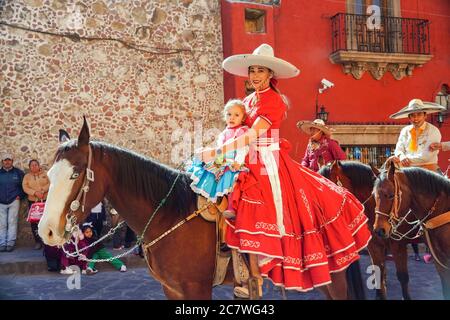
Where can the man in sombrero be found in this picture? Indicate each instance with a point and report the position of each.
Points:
(413, 145)
(320, 145)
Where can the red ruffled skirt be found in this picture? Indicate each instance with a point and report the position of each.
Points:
(325, 225)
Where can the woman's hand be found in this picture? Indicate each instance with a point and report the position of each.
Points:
(205, 154)
(39, 194)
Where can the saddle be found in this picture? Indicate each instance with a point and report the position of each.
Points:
(246, 285)
(214, 209)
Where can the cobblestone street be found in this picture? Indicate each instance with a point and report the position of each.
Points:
(136, 283)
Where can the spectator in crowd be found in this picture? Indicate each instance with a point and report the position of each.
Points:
(98, 251)
(67, 261)
(53, 255)
(321, 148)
(415, 247)
(122, 236)
(97, 217)
(10, 194)
(36, 184)
(119, 238)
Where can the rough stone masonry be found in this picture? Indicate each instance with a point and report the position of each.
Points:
(139, 70)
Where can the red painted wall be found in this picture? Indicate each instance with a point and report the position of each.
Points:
(300, 32)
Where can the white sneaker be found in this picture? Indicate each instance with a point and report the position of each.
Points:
(91, 271)
(241, 292)
(67, 271)
(123, 268)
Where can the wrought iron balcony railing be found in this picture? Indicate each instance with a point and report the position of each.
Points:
(353, 32)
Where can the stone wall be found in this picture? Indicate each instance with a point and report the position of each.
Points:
(139, 70)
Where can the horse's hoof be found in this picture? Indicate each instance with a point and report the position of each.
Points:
(380, 297)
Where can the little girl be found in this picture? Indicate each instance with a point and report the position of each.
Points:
(67, 261)
(217, 178)
(98, 251)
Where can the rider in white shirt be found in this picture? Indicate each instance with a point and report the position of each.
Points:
(414, 142)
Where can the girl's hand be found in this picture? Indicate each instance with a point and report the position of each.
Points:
(236, 166)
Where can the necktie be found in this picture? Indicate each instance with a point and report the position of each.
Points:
(414, 134)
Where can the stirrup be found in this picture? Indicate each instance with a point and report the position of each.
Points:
(255, 288)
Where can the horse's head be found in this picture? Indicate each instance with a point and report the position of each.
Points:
(387, 197)
(69, 176)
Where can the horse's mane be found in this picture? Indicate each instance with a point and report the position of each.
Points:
(426, 181)
(147, 178)
(360, 174)
(325, 171)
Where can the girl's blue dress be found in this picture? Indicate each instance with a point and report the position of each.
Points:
(213, 180)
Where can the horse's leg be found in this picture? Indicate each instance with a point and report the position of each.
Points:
(399, 253)
(325, 291)
(355, 287)
(377, 249)
(255, 275)
(444, 274)
(440, 240)
(171, 294)
(338, 286)
(189, 291)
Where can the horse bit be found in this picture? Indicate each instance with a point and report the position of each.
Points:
(393, 217)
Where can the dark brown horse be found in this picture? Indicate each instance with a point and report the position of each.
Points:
(359, 179)
(421, 199)
(84, 172)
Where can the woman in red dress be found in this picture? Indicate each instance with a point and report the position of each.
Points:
(301, 226)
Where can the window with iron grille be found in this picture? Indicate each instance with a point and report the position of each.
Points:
(369, 154)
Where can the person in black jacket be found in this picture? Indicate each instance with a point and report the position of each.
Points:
(10, 194)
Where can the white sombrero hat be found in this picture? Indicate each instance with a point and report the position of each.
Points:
(262, 56)
(318, 124)
(417, 105)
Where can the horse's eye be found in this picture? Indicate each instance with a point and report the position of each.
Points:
(74, 175)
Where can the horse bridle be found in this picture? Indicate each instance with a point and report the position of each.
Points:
(418, 223)
(395, 221)
(71, 220)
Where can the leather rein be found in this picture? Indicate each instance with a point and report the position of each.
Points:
(421, 225)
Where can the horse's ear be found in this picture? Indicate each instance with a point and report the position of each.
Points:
(63, 136)
(83, 138)
(375, 171)
(391, 171)
(335, 166)
(320, 161)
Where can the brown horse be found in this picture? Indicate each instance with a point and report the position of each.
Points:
(359, 179)
(420, 199)
(85, 172)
